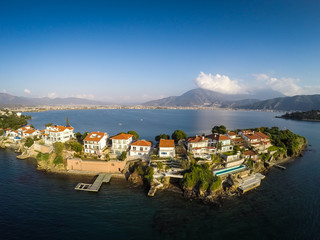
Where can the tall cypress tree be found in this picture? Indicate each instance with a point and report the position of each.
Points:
(68, 125)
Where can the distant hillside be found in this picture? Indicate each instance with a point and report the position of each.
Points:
(202, 97)
(299, 102)
(313, 115)
(10, 100)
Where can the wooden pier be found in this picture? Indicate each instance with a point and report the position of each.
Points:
(94, 187)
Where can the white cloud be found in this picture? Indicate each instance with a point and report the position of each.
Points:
(4, 91)
(85, 96)
(219, 83)
(52, 95)
(27, 91)
(287, 86)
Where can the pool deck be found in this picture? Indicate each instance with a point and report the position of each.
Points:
(225, 171)
(250, 182)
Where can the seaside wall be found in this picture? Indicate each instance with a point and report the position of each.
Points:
(95, 166)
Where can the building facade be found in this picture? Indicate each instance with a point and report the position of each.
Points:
(121, 143)
(140, 148)
(95, 142)
(166, 148)
(57, 133)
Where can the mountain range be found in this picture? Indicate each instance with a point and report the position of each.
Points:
(205, 98)
(194, 98)
(10, 100)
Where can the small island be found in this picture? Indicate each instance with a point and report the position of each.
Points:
(313, 115)
(209, 167)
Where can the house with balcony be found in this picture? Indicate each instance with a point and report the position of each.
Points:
(57, 133)
(95, 142)
(140, 148)
(258, 140)
(121, 143)
(199, 146)
(166, 148)
(221, 142)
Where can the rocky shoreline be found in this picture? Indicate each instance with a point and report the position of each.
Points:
(214, 198)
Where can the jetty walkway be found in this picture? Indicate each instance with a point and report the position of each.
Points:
(94, 187)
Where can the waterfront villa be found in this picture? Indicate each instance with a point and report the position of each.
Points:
(121, 142)
(95, 142)
(222, 142)
(57, 133)
(22, 132)
(256, 139)
(166, 148)
(140, 148)
(232, 135)
(199, 146)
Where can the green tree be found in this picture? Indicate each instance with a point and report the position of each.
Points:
(178, 135)
(160, 166)
(149, 174)
(77, 147)
(48, 124)
(134, 133)
(58, 148)
(236, 148)
(219, 129)
(80, 137)
(32, 126)
(123, 156)
(107, 157)
(29, 142)
(58, 160)
(162, 136)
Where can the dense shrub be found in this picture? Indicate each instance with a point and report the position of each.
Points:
(29, 142)
(58, 160)
(200, 177)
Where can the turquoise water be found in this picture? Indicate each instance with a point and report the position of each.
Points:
(37, 205)
(228, 170)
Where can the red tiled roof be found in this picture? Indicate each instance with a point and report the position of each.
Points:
(252, 136)
(29, 131)
(58, 128)
(262, 135)
(219, 137)
(197, 139)
(94, 136)
(232, 134)
(249, 152)
(125, 136)
(141, 143)
(166, 143)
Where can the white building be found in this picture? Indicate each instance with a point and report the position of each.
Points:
(95, 142)
(199, 147)
(166, 148)
(121, 143)
(140, 148)
(222, 142)
(57, 133)
(22, 132)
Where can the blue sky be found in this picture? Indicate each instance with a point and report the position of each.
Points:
(134, 51)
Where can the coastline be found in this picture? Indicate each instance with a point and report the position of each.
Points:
(137, 107)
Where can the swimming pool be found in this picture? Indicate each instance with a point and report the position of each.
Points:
(229, 170)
